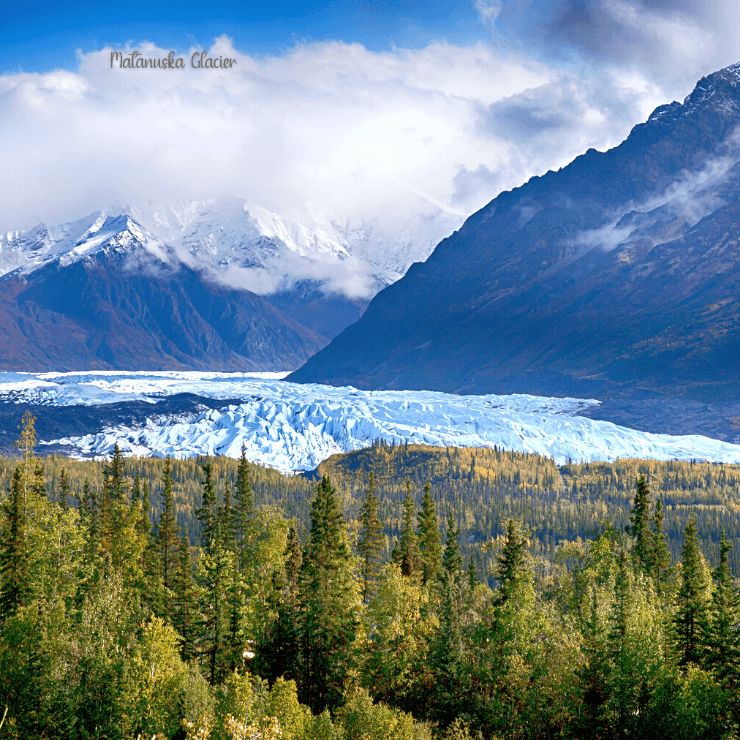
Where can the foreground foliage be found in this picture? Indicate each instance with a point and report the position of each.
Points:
(336, 623)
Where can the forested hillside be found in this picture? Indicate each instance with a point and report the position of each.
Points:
(405, 592)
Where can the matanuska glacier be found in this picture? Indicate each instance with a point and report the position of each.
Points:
(294, 427)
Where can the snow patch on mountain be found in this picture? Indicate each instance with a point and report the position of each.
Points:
(294, 427)
(70, 243)
(244, 245)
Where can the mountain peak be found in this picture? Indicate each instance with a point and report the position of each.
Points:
(615, 274)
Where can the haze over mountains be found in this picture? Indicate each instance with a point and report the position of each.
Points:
(217, 284)
(617, 276)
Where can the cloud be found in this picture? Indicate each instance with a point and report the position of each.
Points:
(331, 123)
(358, 132)
(375, 136)
(673, 42)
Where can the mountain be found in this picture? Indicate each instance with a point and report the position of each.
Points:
(105, 293)
(320, 271)
(617, 276)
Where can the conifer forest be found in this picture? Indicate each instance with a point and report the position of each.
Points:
(397, 592)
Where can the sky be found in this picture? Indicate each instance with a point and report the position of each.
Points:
(374, 110)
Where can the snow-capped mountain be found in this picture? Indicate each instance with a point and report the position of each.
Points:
(106, 293)
(22, 253)
(226, 233)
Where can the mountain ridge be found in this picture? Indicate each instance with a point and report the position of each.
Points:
(534, 293)
(117, 298)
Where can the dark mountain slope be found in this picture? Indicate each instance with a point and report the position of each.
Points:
(618, 274)
(121, 308)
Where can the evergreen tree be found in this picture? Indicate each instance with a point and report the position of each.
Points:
(452, 560)
(724, 633)
(329, 601)
(65, 489)
(409, 542)
(472, 574)
(206, 514)
(14, 549)
(94, 539)
(660, 557)
(690, 621)
(511, 561)
(448, 649)
(430, 539)
(167, 536)
(370, 541)
(243, 510)
(26, 445)
(38, 486)
(136, 490)
(640, 526)
(185, 616)
(114, 474)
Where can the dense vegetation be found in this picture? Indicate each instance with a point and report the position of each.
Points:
(404, 593)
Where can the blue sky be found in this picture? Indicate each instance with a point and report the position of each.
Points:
(39, 37)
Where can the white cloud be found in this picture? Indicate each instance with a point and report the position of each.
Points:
(328, 123)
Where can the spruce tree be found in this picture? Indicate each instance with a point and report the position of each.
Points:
(448, 653)
(243, 510)
(167, 536)
(370, 541)
(14, 549)
(329, 602)
(430, 539)
(511, 561)
(724, 633)
(185, 616)
(472, 574)
(65, 489)
(26, 445)
(409, 542)
(206, 514)
(452, 560)
(691, 619)
(660, 556)
(640, 526)
(94, 533)
(114, 473)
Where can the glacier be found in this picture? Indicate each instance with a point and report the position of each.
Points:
(294, 427)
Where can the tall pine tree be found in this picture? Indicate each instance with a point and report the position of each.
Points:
(409, 543)
(430, 539)
(691, 619)
(724, 633)
(370, 541)
(329, 602)
(167, 537)
(639, 526)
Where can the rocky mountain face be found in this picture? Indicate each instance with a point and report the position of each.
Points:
(616, 277)
(320, 271)
(106, 294)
